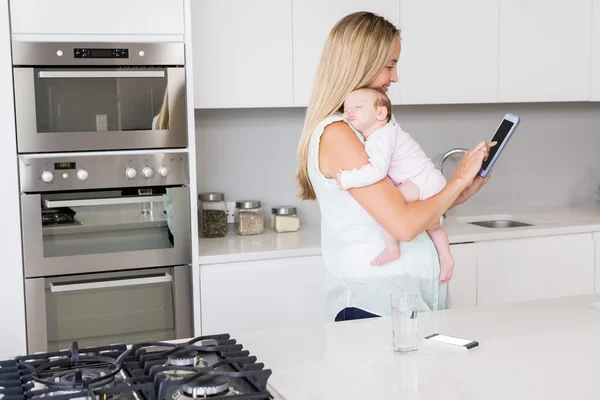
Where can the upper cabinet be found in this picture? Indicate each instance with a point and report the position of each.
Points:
(242, 53)
(107, 17)
(312, 22)
(545, 50)
(595, 72)
(449, 51)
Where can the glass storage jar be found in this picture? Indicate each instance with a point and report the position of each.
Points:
(284, 219)
(249, 217)
(212, 215)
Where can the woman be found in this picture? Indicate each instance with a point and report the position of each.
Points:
(362, 50)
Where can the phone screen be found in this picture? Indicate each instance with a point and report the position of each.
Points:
(499, 137)
(450, 340)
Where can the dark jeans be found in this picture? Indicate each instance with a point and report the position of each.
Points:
(350, 313)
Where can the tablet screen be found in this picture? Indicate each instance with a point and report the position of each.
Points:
(499, 137)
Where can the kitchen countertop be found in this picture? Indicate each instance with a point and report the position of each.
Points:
(307, 241)
(536, 350)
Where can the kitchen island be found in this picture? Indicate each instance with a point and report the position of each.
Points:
(545, 349)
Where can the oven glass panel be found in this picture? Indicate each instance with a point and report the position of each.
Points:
(107, 222)
(102, 99)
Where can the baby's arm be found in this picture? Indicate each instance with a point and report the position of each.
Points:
(379, 149)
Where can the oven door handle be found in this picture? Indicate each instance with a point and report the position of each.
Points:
(105, 202)
(73, 287)
(101, 74)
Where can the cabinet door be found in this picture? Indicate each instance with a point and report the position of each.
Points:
(597, 262)
(595, 72)
(242, 53)
(449, 51)
(463, 285)
(545, 50)
(534, 268)
(262, 294)
(107, 17)
(312, 21)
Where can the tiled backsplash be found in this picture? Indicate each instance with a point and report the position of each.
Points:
(553, 159)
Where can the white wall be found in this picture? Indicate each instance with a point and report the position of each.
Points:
(12, 306)
(552, 160)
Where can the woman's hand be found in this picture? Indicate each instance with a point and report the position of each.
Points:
(471, 163)
(468, 169)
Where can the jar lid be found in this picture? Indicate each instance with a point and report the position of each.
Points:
(283, 210)
(247, 204)
(211, 196)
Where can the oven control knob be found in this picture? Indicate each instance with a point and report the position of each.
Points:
(82, 174)
(130, 173)
(47, 176)
(147, 172)
(163, 171)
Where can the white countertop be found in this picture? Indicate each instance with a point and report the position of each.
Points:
(307, 241)
(546, 349)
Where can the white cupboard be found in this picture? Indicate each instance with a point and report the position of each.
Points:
(312, 22)
(262, 294)
(534, 268)
(597, 262)
(107, 17)
(449, 51)
(242, 53)
(595, 64)
(544, 50)
(462, 288)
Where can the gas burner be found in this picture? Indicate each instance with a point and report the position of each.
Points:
(81, 377)
(183, 358)
(206, 386)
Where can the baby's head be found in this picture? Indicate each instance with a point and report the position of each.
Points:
(367, 109)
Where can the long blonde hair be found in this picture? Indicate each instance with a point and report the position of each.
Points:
(358, 48)
(163, 116)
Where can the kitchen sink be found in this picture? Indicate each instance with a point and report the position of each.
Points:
(500, 223)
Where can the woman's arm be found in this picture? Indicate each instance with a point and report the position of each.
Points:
(341, 149)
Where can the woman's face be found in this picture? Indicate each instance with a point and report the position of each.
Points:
(389, 73)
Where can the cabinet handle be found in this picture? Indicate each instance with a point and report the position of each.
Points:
(72, 287)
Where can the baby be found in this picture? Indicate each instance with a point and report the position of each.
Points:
(394, 153)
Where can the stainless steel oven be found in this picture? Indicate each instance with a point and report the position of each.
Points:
(98, 96)
(106, 245)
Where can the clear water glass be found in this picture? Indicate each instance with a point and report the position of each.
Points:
(404, 322)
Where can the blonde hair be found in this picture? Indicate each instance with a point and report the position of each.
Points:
(382, 100)
(357, 49)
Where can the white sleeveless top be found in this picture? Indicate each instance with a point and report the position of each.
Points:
(351, 239)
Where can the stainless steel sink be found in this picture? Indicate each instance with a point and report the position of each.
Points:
(500, 223)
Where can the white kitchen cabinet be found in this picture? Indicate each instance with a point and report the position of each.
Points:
(597, 262)
(107, 17)
(242, 53)
(12, 307)
(544, 50)
(462, 288)
(534, 268)
(449, 51)
(312, 22)
(595, 71)
(262, 294)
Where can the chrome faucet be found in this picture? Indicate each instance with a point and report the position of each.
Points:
(447, 155)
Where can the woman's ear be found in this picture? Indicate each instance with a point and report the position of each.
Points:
(382, 113)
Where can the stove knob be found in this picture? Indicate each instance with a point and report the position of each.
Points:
(147, 172)
(130, 173)
(47, 176)
(82, 174)
(163, 171)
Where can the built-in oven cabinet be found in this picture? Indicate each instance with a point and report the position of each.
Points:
(116, 307)
(107, 17)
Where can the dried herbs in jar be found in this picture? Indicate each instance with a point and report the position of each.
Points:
(212, 215)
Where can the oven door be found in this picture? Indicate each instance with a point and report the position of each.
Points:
(80, 109)
(115, 307)
(84, 232)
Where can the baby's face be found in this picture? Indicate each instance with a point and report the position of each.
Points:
(359, 110)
